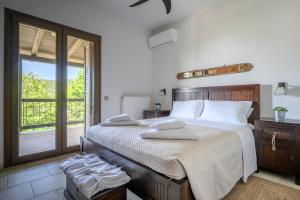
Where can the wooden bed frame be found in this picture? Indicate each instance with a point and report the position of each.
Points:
(147, 183)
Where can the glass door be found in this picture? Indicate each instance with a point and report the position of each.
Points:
(37, 97)
(79, 104)
(52, 87)
(36, 104)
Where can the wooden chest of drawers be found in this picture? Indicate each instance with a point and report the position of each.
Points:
(278, 146)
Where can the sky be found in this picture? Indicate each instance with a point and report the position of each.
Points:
(44, 70)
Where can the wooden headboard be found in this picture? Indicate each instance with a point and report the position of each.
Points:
(226, 93)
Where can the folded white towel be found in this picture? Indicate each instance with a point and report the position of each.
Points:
(93, 179)
(120, 123)
(187, 133)
(169, 124)
(87, 167)
(90, 184)
(78, 161)
(119, 118)
(92, 175)
(80, 165)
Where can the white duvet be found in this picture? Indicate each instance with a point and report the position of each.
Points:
(215, 165)
(223, 154)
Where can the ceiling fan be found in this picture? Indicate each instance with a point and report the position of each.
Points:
(166, 2)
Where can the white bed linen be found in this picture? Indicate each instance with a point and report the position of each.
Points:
(170, 124)
(190, 133)
(224, 154)
(216, 170)
(154, 153)
(245, 132)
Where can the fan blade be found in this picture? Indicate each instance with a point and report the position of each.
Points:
(138, 3)
(168, 5)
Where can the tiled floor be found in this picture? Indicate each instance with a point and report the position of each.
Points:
(44, 180)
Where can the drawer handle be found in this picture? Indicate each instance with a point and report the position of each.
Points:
(274, 142)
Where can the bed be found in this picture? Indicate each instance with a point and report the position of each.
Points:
(168, 180)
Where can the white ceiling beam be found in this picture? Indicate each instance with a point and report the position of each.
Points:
(37, 41)
(74, 47)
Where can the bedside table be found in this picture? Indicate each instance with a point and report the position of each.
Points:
(278, 146)
(153, 114)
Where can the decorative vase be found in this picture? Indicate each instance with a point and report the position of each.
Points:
(279, 116)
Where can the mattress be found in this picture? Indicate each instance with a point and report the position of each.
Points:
(159, 155)
(155, 154)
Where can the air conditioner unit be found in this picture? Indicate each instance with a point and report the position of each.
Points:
(168, 36)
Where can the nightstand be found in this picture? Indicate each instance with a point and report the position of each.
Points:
(153, 114)
(278, 146)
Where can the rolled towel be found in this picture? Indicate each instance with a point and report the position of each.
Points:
(187, 133)
(119, 118)
(87, 167)
(77, 165)
(120, 123)
(169, 124)
(91, 183)
(92, 175)
(94, 168)
(111, 179)
(79, 174)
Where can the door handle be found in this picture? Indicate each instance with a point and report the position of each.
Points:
(274, 142)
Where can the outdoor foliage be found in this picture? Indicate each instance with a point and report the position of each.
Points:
(35, 88)
(76, 86)
(39, 104)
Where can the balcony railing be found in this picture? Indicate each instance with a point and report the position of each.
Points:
(41, 113)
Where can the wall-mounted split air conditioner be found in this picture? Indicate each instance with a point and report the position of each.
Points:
(165, 37)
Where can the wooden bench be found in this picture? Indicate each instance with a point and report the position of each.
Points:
(73, 193)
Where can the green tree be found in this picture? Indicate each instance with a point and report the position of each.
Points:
(33, 87)
(76, 91)
(76, 86)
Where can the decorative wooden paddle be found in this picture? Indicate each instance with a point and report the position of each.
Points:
(226, 69)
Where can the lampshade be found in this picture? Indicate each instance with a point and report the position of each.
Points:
(281, 89)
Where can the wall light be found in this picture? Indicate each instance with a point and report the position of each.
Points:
(281, 89)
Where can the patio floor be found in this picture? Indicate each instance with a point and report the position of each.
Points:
(42, 141)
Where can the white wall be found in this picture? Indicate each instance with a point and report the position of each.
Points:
(265, 33)
(126, 58)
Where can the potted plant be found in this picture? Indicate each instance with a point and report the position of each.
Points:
(280, 113)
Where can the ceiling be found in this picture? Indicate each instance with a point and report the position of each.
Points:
(39, 44)
(152, 14)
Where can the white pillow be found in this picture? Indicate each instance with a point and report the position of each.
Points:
(226, 111)
(187, 109)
